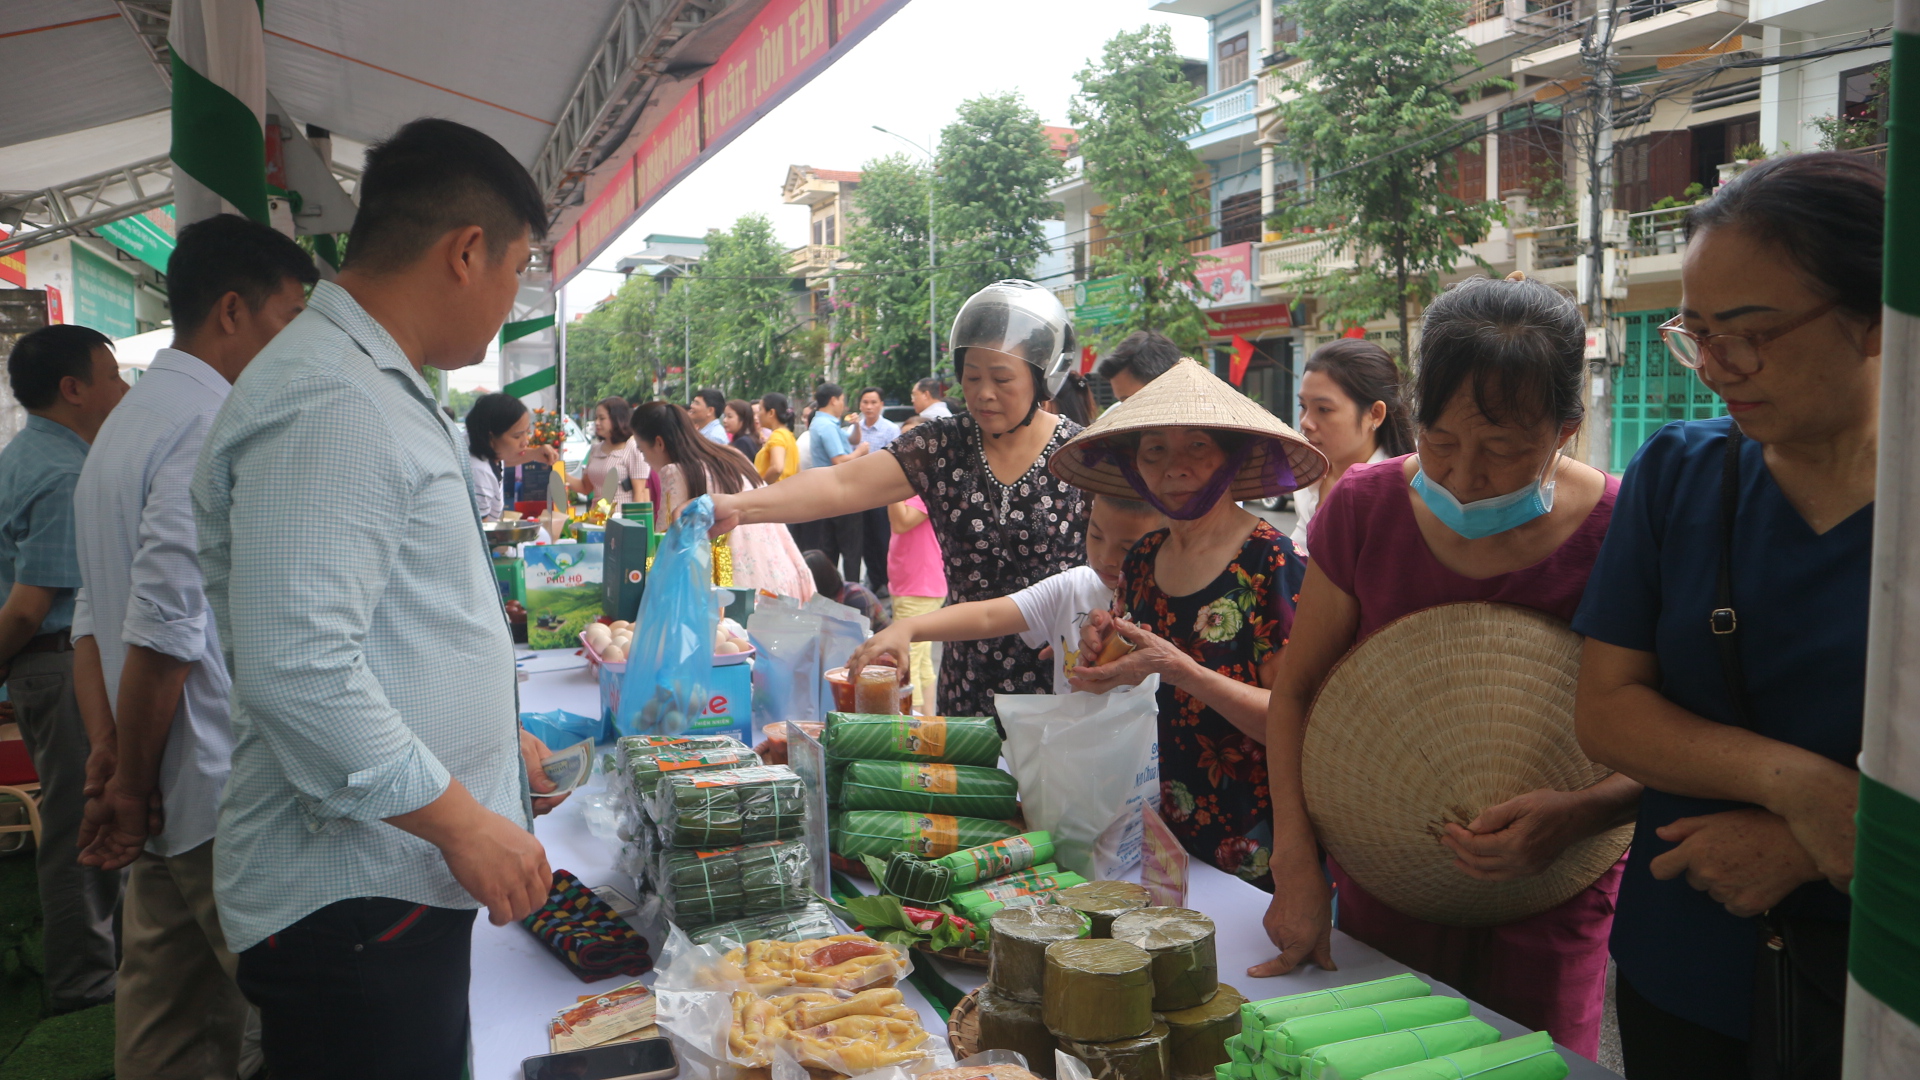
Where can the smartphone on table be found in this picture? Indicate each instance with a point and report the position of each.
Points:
(648, 1059)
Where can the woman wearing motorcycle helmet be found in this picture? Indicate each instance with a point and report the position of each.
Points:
(1003, 521)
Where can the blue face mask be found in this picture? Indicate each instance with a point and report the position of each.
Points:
(1486, 517)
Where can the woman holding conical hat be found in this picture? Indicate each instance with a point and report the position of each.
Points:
(1205, 603)
(1487, 508)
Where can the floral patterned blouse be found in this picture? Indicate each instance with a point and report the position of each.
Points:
(995, 540)
(1213, 778)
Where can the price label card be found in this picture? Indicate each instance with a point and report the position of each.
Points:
(1163, 861)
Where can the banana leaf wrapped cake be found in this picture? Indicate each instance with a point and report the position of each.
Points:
(1103, 901)
(1017, 958)
(1256, 1015)
(1143, 1058)
(727, 809)
(1356, 1058)
(1185, 971)
(950, 740)
(1197, 1037)
(812, 921)
(1097, 990)
(1009, 1023)
(698, 888)
(929, 788)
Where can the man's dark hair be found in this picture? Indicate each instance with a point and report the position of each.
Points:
(826, 577)
(825, 393)
(715, 399)
(1516, 347)
(875, 391)
(227, 253)
(492, 415)
(931, 387)
(41, 359)
(430, 178)
(1145, 354)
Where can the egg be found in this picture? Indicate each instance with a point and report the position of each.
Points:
(598, 635)
(725, 648)
(620, 624)
(613, 654)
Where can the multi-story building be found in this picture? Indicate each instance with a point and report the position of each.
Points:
(828, 195)
(665, 257)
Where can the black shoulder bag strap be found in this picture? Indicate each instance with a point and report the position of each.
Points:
(1725, 623)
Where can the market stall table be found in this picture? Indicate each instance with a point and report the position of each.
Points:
(518, 986)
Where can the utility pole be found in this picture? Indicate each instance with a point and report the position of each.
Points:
(1597, 55)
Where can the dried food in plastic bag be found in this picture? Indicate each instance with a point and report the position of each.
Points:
(839, 962)
(1074, 755)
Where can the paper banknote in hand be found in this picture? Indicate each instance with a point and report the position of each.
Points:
(569, 768)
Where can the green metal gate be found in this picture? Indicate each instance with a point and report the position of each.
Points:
(1651, 389)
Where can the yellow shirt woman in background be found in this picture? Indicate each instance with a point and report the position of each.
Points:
(779, 456)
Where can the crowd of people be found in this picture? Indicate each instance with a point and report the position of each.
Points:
(293, 764)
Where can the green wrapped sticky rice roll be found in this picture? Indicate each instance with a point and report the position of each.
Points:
(1265, 1014)
(881, 832)
(1008, 1023)
(1239, 1050)
(1238, 1070)
(1097, 991)
(1197, 1037)
(1017, 956)
(929, 788)
(1223, 1072)
(916, 880)
(1266, 1070)
(948, 740)
(1103, 901)
(1180, 940)
(809, 923)
(1026, 885)
(1356, 1058)
(1529, 1057)
(1144, 1058)
(726, 809)
(1000, 857)
(1294, 1039)
(645, 770)
(705, 887)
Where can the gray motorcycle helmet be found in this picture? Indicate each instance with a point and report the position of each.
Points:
(1023, 319)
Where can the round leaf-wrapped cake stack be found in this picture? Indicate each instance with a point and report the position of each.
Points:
(1180, 940)
(1098, 1002)
(1144, 1058)
(1017, 962)
(1197, 1037)
(1103, 901)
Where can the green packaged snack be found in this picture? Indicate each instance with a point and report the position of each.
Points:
(1356, 1058)
(1266, 1070)
(1144, 1058)
(644, 769)
(726, 809)
(1185, 971)
(1264, 1014)
(1294, 1039)
(807, 924)
(1017, 957)
(949, 740)
(976, 900)
(881, 832)
(700, 888)
(1197, 1037)
(1529, 1057)
(1102, 901)
(929, 788)
(1008, 1023)
(1239, 1051)
(1097, 990)
(1000, 857)
(915, 880)
(1223, 1072)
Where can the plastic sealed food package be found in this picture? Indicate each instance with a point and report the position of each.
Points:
(849, 1034)
(1356, 1058)
(929, 788)
(811, 921)
(1529, 1057)
(664, 689)
(836, 962)
(1000, 857)
(646, 770)
(1196, 1037)
(1289, 1043)
(881, 832)
(1181, 942)
(1255, 1015)
(727, 809)
(700, 888)
(949, 740)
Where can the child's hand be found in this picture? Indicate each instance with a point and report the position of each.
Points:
(1093, 636)
(889, 644)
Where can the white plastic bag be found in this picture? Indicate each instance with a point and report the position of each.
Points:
(1086, 763)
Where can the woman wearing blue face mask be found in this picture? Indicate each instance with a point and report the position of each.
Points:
(1489, 507)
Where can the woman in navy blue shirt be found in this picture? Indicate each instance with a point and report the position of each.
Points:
(1749, 800)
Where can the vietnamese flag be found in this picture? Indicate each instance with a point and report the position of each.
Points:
(1358, 333)
(1087, 357)
(1242, 356)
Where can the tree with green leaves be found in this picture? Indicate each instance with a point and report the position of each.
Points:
(882, 332)
(1375, 127)
(625, 345)
(742, 311)
(996, 166)
(1134, 111)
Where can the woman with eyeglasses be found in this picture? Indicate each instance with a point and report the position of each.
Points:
(1726, 626)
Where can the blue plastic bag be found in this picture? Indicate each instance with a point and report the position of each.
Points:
(672, 654)
(559, 728)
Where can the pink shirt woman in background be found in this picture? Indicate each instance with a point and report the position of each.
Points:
(919, 584)
(613, 444)
(1488, 508)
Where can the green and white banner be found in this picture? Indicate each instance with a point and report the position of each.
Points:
(1883, 1002)
(219, 109)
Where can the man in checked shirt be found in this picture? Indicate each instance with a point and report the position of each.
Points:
(380, 790)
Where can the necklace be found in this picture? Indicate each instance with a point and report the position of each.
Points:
(1006, 490)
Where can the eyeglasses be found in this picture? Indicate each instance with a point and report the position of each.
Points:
(1738, 353)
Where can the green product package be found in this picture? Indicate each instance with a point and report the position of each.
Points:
(1000, 857)
(929, 788)
(879, 832)
(700, 888)
(1029, 885)
(1238, 1049)
(1290, 1043)
(1255, 1015)
(1529, 1057)
(725, 809)
(949, 740)
(645, 770)
(1362, 1057)
(807, 924)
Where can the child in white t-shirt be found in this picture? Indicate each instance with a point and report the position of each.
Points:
(1047, 614)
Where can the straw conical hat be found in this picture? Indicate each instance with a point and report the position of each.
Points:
(1189, 395)
(1436, 717)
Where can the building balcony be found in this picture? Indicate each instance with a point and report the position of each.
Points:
(1819, 15)
(1224, 109)
(1495, 28)
(1271, 90)
(1654, 30)
(1656, 242)
(812, 260)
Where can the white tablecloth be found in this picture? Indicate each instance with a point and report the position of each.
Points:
(518, 986)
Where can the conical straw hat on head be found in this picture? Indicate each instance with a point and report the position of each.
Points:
(1189, 395)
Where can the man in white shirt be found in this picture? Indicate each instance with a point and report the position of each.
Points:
(928, 398)
(705, 410)
(233, 284)
(873, 430)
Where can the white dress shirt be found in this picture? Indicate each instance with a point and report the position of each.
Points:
(139, 558)
(935, 411)
(715, 431)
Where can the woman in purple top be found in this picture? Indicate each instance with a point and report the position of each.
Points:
(1488, 508)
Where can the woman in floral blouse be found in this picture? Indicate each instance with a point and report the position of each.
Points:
(1207, 603)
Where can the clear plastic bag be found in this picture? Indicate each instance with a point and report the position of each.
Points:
(668, 667)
